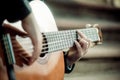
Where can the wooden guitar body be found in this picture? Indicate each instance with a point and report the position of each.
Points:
(53, 69)
(48, 67)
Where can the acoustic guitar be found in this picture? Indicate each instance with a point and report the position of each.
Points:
(50, 64)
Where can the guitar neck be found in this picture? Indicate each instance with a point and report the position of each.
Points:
(59, 40)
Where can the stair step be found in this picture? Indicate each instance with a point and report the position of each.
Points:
(96, 69)
(104, 50)
(93, 76)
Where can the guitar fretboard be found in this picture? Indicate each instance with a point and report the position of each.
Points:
(59, 40)
(54, 41)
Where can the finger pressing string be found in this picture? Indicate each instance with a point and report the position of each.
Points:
(83, 36)
(84, 43)
(79, 47)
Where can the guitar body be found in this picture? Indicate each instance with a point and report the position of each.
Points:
(53, 69)
(48, 67)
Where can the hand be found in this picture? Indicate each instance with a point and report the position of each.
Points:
(21, 56)
(78, 50)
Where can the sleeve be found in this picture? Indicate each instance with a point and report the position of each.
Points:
(17, 10)
(68, 68)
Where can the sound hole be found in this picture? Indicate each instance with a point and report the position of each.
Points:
(42, 55)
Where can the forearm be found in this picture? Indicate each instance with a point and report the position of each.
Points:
(31, 27)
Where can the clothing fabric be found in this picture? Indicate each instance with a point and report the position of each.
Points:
(68, 68)
(14, 10)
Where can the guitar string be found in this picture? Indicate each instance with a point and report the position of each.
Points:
(8, 47)
(45, 43)
(64, 39)
(61, 43)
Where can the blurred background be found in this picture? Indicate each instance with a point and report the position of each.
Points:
(102, 62)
